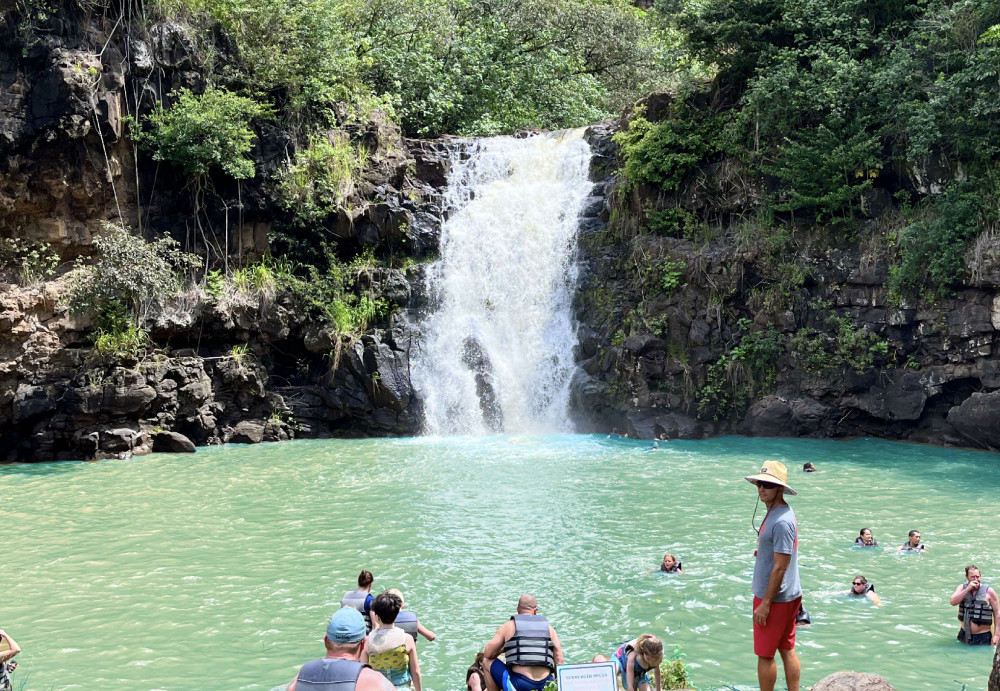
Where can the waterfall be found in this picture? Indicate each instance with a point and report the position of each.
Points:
(497, 348)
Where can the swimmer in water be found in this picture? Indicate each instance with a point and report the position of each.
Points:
(670, 564)
(865, 539)
(860, 587)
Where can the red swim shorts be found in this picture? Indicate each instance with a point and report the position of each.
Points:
(779, 631)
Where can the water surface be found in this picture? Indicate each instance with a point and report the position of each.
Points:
(219, 570)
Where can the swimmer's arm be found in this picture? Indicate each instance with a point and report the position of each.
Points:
(558, 653)
(873, 596)
(495, 646)
(781, 562)
(411, 649)
(680, 569)
(14, 647)
(425, 632)
(959, 594)
(991, 597)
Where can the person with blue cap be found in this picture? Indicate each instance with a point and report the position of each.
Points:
(340, 669)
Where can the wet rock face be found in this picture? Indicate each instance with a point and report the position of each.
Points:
(928, 373)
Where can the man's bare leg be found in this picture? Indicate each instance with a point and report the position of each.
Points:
(767, 673)
(490, 684)
(790, 660)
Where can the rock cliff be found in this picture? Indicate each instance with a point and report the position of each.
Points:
(713, 328)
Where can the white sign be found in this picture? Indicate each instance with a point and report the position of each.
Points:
(596, 676)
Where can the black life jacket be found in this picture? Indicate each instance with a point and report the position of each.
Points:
(980, 611)
(868, 586)
(329, 674)
(531, 645)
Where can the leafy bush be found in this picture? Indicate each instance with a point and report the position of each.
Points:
(673, 673)
(733, 380)
(120, 344)
(129, 274)
(29, 262)
(200, 132)
(320, 177)
(664, 153)
(933, 248)
(671, 274)
(845, 345)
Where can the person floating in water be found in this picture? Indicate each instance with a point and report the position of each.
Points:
(865, 539)
(670, 564)
(978, 608)
(7, 662)
(860, 587)
(809, 468)
(913, 544)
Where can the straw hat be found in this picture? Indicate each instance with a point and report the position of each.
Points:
(772, 471)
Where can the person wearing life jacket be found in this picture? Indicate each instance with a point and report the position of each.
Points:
(340, 670)
(865, 539)
(635, 659)
(913, 543)
(978, 606)
(670, 564)
(408, 621)
(531, 648)
(389, 649)
(361, 599)
(860, 587)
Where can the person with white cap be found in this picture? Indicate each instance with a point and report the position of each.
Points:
(340, 669)
(777, 593)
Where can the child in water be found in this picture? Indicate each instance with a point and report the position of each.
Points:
(636, 658)
(670, 564)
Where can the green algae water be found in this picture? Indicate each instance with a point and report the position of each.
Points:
(219, 570)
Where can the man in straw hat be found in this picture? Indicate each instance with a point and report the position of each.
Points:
(777, 593)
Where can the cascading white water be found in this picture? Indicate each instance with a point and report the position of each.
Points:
(497, 350)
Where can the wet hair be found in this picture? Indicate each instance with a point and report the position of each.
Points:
(912, 533)
(970, 567)
(862, 578)
(668, 554)
(808, 466)
(365, 579)
(862, 532)
(650, 648)
(386, 606)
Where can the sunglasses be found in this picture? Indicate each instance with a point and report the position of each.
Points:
(767, 485)
(858, 583)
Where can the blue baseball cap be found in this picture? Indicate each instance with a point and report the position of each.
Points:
(346, 626)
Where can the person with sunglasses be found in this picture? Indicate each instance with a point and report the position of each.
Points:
(860, 587)
(777, 592)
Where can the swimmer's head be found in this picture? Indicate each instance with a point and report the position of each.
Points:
(669, 560)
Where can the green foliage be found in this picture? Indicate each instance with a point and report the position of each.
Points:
(113, 345)
(129, 274)
(675, 222)
(320, 177)
(201, 132)
(664, 153)
(933, 247)
(671, 274)
(240, 353)
(673, 673)
(28, 262)
(733, 381)
(843, 345)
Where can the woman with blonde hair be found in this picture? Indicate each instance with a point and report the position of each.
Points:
(636, 658)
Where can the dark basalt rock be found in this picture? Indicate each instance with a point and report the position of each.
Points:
(172, 442)
(977, 420)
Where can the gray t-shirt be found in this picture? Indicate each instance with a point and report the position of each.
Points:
(778, 534)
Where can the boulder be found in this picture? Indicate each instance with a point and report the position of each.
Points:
(977, 420)
(172, 442)
(852, 681)
(895, 396)
(247, 432)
